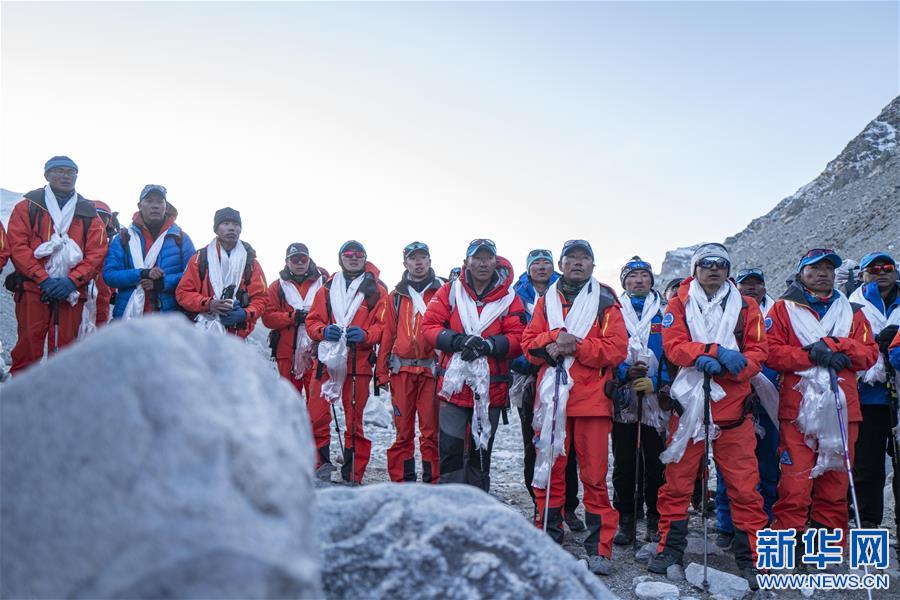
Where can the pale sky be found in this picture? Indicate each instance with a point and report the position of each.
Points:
(638, 126)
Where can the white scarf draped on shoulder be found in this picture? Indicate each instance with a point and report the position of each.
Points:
(63, 251)
(708, 323)
(818, 419)
(223, 270)
(476, 373)
(578, 321)
(303, 348)
(878, 321)
(135, 306)
(345, 301)
(639, 351)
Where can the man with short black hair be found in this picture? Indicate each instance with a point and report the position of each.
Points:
(57, 244)
(223, 283)
(405, 362)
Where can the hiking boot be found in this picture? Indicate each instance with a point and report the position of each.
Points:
(660, 563)
(323, 473)
(724, 540)
(599, 565)
(625, 533)
(555, 525)
(749, 573)
(573, 522)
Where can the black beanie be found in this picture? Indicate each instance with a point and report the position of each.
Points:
(226, 214)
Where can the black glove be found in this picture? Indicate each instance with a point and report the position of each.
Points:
(636, 371)
(458, 343)
(839, 361)
(299, 317)
(885, 337)
(819, 354)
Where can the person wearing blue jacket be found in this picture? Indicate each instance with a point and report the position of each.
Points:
(880, 303)
(752, 282)
(643, 372)
(534, 282)
(136, 258)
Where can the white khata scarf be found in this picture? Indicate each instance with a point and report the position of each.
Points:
(578, 322)
(135, 306)
(89, 312)
(303, 350)
(765, 389)
(639, 351)
(709, 323)
(418, 303)
(345, 301)
(63, 251)
(818, 417)
(476, 374)
(878, 321)
(223, 270)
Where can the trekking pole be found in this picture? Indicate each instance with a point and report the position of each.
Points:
(55, 327)
(891, 385)
(707, 400)
(637, 465)
(475, 413)
(560, 375)
(353, 405)
(337, 427)
(835, 389)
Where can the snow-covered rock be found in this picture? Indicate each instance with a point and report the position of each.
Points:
(152, 460)
(447, 541)
(720, 583)
(656, 590)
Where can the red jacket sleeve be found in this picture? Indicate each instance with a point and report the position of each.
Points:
(4, 247)
(21, 252)
(859, 346)
(385, 311)
(611, 347)
(279, 314)
(437, 315)
(257, 292)
(784, 355)
(513, 327)
(317, 319)
(189, 292)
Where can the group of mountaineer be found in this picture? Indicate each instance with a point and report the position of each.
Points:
(780, 389)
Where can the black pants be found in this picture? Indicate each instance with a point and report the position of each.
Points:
(526, 416)
(624, 444)
(461, 461)
(872, 443)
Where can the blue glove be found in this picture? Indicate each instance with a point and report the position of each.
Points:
(234, 316)
(732, 360)
(66, 286)
(355, 335)
(49, 285)
(708, 365)
(332, 333)
(58, 288)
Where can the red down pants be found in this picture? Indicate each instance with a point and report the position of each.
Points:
(35, 326)
(413, 394)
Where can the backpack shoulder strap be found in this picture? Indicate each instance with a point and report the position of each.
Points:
(202, 263)
(248, 266)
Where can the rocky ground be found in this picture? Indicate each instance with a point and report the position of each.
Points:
(507, 486)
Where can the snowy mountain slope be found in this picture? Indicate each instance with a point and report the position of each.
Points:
(852, 206)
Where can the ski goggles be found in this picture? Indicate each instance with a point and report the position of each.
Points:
(637, 265)
(710, 262)
(538, 254)
(415, 246)
(818, 254)
(879, 269)
(353, 254)
(479, 243)
(747, 273)
(298, 259)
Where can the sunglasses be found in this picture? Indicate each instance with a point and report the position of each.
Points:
(637, 264)
(713, 261)
(353, 254)
(540, 254)
(879, 269)
(817, 252)
(299, 259)
(482, 242)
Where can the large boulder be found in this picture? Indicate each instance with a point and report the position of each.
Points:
(448, 541)
(152, 460)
